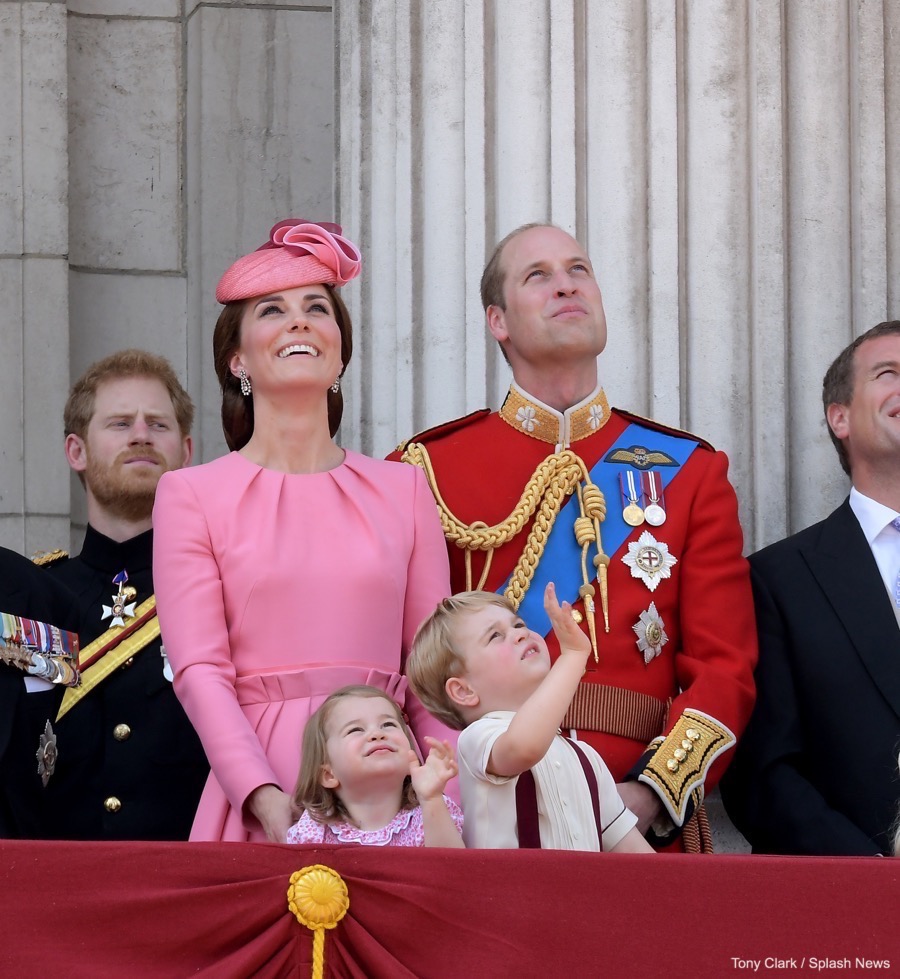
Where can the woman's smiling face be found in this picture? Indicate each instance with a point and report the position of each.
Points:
(290, 337)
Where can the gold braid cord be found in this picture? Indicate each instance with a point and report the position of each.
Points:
(557, 477)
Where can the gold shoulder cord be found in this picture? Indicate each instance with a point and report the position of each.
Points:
(558, 476)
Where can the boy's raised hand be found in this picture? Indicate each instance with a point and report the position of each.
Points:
(571, 638)
(430, 779)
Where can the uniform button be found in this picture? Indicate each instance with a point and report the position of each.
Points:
(672, 765)
(680, 754)
(121, 732)
(693, 734)
(687, 745)
(112, 804)
(128, 662)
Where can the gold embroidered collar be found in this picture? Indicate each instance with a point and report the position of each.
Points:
(527, 414)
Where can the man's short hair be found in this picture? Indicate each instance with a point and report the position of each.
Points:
(837, 387)
(79, 408)
(436, 655)
(493, 278)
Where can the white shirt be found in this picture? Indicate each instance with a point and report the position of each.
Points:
(565, 811)
(875, 519)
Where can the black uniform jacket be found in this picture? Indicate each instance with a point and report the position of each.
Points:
(816, 769)
(25, 590)
(130, 765)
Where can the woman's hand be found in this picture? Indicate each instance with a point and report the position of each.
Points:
(272, 808)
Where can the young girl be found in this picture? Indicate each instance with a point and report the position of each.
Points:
(361, 782)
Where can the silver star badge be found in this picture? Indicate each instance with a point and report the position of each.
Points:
(47, 754)
(649, 560)
(651, 633)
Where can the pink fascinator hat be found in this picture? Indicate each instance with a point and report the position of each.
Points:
(298, 253)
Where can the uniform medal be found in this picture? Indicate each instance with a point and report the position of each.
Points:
(47, 754)
(122, 607)
(654, 512)
(632, 513)
(651, 634)
(649, 560)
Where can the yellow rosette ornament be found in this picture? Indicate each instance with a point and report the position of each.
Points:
(318, 898)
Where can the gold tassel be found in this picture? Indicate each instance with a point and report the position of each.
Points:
(319, 899)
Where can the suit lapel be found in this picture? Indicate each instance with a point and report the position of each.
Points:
(842, 563)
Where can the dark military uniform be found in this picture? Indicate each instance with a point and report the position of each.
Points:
(27, 591)
(130, 765)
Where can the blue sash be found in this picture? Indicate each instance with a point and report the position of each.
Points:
(561, 560)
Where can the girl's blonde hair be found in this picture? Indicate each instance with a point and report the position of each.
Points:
(323, 804)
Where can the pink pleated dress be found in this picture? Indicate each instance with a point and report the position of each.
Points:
(273, 591)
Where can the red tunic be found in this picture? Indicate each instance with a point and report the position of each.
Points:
(482, 463)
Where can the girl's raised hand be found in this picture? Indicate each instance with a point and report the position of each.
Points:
(430, 780)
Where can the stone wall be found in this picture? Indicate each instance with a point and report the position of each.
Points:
(145, 144)
(731, 166)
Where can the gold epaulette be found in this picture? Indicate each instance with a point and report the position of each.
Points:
(665, 429)
(46, 559)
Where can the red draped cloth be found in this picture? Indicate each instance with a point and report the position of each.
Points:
(220, 909)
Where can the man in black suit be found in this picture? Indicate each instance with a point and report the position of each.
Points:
(816, 770)
(27, 592)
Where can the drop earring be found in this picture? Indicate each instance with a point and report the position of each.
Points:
(245, 383)
(337, 385)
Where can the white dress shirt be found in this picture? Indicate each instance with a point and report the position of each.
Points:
(884, 540)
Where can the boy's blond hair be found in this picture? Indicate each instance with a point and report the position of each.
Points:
(436, 655)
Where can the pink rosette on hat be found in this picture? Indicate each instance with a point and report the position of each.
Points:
(298, 253)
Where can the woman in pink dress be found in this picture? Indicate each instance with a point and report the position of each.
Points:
(290, 567)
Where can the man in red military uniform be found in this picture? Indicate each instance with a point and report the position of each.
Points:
(636, 523)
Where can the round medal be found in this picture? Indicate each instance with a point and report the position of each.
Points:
(655, 515)
(633, 515)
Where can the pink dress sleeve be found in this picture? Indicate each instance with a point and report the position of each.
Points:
(427, 582)
(192, 618)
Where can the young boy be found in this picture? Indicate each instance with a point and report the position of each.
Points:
(476, 666)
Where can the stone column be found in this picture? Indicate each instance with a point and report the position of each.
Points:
(259, 109)
(34, 328)
(727, 165)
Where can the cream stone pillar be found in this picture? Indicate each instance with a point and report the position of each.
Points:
(259, 111)
(728, 166)
(34, 333)
(144, 144)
